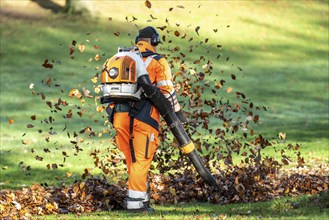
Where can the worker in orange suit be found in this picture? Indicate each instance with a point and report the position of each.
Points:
(137, 122)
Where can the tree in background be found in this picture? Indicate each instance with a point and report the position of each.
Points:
(79, 7)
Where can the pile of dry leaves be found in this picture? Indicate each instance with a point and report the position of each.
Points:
(84, 196)
(239, 184)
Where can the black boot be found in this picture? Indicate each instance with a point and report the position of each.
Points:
(147, 207)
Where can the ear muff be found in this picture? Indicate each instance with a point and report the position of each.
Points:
(155, 39)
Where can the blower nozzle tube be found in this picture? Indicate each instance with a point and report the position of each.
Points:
(176, 127)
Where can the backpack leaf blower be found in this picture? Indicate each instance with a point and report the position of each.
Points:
(115, 89)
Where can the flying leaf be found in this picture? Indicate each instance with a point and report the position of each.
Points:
(282, 136)
(80, 113)
(100, 108)
(256, 118)
(72, 47)
(82, 48)
(94, 79)
(154, 18)
(31, 85)
(48, 81)
(76, 93)
(86, 92)
(97, 89)
(47, 65)
(97, 57)
(197, 29)
(162, 28)
(54, 166)
(148, 4)
(218, 85)
(38, 158)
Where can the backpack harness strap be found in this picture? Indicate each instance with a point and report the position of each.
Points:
(132, 114)
(140, 110)
(131, 139)
(110, 112)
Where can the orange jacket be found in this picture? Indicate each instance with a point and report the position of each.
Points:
(159, 72)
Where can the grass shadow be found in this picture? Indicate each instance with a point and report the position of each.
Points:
(49, 4)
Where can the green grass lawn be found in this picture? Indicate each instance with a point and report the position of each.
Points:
(281, 46)
(304, 207)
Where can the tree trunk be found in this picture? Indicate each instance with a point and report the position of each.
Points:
(79, 7)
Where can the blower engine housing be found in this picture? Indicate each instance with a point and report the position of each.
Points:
(119, 76)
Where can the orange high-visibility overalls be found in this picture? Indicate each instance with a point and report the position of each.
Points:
(137, 136)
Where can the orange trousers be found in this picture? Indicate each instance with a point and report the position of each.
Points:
(145, 142)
